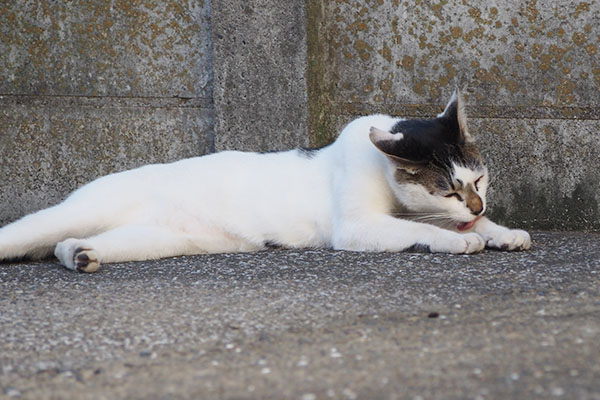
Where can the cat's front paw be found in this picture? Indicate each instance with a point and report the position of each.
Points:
(467, 243)
(511, 240)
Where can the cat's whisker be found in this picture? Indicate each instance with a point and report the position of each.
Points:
(437, 218)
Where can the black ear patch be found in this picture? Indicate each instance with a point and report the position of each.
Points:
(425, 140)
(410, 148)
(450, 126)
(438, 142)
(400, 148)
(430, 132)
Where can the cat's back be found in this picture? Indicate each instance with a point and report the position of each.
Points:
(237, 167)
(219, 164)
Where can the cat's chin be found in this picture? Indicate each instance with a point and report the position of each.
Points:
(464, 226)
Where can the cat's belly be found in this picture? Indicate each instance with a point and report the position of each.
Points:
(218, 233)
(301, 233)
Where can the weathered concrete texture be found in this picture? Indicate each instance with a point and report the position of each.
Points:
(50, 146)
(543, 172)
(534, 69)
(309, 324)
(89, 88)
(260, 90)
(106, 48)
(507, 53)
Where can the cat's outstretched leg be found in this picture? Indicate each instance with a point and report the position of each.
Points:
(35, 235)
(502, 238)
(124, 243)
(144, 242)
(386, 233)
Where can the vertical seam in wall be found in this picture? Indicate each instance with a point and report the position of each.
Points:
(211, 106)
(319, 107)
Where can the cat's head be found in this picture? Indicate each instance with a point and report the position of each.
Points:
(437, 174)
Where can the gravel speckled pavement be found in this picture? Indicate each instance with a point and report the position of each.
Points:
(309, 324)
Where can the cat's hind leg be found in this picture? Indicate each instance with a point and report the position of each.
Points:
(124, 243)
(142, 242)
(35, 236)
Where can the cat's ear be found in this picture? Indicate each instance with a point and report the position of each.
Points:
(455, 113)
(404, 151)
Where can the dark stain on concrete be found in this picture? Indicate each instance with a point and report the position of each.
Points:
(536, 207)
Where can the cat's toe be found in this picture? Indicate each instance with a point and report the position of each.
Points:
(474, 243)
(522, 240)
(514, 240)
(467, 243)
(85, 260)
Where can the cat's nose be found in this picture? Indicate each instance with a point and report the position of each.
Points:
(477, 212)
(474, 203)
(476, 207)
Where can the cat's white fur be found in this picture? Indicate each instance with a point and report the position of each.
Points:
(341, 197)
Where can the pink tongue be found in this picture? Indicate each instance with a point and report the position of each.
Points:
(463, 226)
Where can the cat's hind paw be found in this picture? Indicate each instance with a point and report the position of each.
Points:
(85, 260)
(77, 255)
(511, 240)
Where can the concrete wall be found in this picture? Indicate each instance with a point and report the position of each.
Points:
(260, 92)
(88, 88)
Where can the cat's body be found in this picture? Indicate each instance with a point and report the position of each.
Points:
(358, 193)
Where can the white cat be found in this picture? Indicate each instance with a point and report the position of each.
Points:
(385, 184)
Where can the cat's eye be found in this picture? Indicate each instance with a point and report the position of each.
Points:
(477, 182)
(455, 195)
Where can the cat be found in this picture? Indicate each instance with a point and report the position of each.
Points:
(385, 184)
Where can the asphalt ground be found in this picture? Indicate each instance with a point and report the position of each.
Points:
(309, 324)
